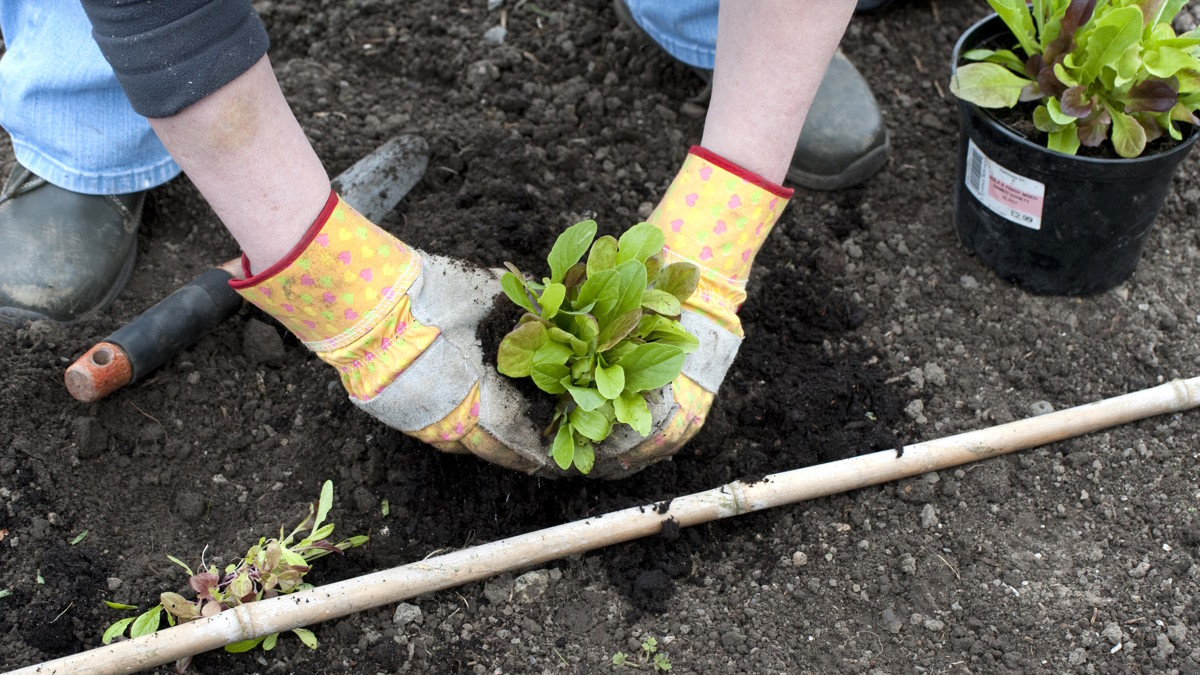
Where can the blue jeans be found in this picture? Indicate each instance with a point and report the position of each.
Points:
(685, 29)
(69, 120)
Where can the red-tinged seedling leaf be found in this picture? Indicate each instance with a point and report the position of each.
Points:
(654, 265)
(274, 554)
(1078, 13)
(574, 278)
(679, 279)
(203, 583)
(211, 608)
(1151, 96)
(1034, 65)
(1093, 132)
(288, 579)
(579, 347)
(241, 587)
(661, 302)
(1076, 102)
(617, 330)
(1049, 83)
(1149, 125)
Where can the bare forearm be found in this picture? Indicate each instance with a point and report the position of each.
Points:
(771, 56)
(247, 155)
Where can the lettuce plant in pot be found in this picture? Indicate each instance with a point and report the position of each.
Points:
(1075, 115)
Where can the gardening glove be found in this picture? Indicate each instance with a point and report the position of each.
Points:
(378, 311)
(716, 216)
(399, 326)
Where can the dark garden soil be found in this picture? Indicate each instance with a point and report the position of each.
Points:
(866, 323)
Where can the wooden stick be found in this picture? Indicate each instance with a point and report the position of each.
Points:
(480, 562)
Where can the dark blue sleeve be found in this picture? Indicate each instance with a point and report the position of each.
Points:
(168, 54)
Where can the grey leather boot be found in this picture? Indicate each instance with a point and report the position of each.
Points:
(62, 253)
(844, 141)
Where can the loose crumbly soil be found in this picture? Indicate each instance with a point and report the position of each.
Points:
(866, 322)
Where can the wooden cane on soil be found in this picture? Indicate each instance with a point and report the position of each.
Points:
(480, 562)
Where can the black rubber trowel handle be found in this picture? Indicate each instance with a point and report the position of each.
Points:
(159, 333)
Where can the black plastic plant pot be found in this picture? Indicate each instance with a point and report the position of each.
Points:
(1048, 222)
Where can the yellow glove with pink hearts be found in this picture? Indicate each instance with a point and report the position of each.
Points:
(715, 215)
(399, 327)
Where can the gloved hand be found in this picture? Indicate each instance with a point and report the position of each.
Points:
(399, 325)
(715, 215)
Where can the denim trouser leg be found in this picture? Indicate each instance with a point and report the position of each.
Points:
(69, 120)
(685, 29)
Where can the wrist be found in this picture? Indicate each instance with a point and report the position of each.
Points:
(343, 291)
(716, 214)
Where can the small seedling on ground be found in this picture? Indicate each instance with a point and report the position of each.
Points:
(270, 568)
(601, 334)
(649, 657)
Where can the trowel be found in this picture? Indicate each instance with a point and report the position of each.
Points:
(373, 186)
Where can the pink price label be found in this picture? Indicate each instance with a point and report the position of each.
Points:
(1011, 196)
(1014, 198)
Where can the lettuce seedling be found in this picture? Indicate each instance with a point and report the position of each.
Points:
(601, 334)
(270, 568)
(1099, 71)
